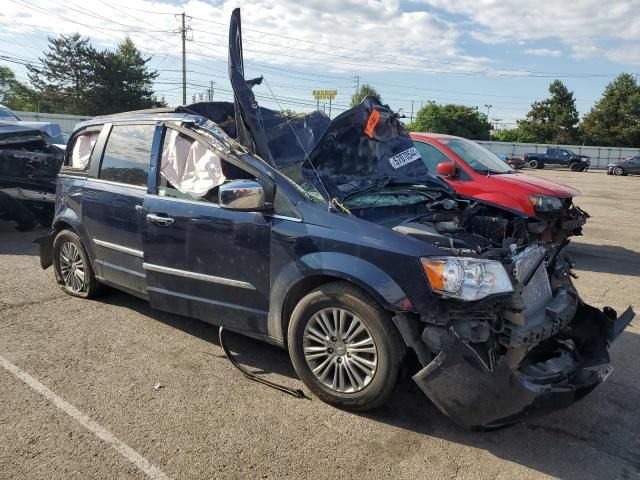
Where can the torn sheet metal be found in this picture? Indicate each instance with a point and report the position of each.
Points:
(552, 376)
(28, 171)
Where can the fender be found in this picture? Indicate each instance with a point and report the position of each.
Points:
(365, 275)
(504, 201)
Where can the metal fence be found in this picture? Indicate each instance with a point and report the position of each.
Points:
(66, 122)
(600, 156)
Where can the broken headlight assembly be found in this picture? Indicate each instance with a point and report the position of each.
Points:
(545, 203)
(466, 278)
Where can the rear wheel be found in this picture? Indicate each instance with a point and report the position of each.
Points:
(618, 171)
(344, 347)
(72, 267)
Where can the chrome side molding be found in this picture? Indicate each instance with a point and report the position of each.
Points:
(198, 276)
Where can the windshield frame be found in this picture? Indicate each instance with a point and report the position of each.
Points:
(476, 157)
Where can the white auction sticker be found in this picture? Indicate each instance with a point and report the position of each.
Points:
(402, 158)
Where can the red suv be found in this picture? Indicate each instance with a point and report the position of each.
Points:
(474, 171)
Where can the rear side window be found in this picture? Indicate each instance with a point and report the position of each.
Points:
(431, 156)
(127, 154)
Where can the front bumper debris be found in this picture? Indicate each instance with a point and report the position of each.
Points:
(552, 376)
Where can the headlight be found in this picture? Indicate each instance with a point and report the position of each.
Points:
(466, 278)
(543, 203)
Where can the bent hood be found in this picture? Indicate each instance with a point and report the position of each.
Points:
(533, 185)
(363, 147)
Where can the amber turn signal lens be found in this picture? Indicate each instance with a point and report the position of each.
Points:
(435, 272)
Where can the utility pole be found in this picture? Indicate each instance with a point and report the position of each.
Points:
(488, 109)
(183, 34)
(411, 117)
(210, 91)
(357, 79)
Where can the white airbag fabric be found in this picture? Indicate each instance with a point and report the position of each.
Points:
(190, 167)
(82, 150)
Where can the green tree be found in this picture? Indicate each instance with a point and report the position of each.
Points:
(122, 80)
(14, 94)
(64, 79)
(515, 135)
(554, 119)
(364, 91)
(451, 119)
(615, 119)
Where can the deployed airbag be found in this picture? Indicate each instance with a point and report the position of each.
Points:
(189, 166)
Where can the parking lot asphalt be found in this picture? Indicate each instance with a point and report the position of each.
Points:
(103, 358)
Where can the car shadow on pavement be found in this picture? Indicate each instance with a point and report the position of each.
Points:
(15, 242)
(604, 424)
(605, 258)
(259, 357)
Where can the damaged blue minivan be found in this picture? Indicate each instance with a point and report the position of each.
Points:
(332, 239)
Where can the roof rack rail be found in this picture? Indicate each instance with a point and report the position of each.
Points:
(178, 109)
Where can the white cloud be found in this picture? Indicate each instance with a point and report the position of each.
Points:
(581, 25)
(403, 40)
(544, 52)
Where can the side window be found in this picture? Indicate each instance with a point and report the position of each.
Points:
(81, 149)
(431, 156)
(190, 169)
(128, 154)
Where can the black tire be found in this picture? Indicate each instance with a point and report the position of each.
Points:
(387, 343)
(619, 171)
(576, 167)
(90, 286)
(534, 163)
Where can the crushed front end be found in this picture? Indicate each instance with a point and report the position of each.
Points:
(504, 358)
(28, 170)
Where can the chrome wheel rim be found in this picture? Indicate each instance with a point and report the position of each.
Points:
(72, 267)
(617, 171)
(340, 350)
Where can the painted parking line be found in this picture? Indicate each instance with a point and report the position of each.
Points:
(102, 433)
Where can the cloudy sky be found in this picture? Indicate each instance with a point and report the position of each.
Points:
(475, 52)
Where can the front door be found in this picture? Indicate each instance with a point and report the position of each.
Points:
(201, 260)
(112, 206)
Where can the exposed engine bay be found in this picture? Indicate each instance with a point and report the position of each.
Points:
(488, 362)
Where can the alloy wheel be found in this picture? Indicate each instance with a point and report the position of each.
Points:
(618, 171)
(72, 267)
(340, 350)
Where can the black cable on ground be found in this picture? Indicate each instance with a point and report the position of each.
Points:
(294, 392)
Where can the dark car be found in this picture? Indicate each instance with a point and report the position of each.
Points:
(28, 169)
(330, 239)
(558, 156)
(511, 160)
(627, 166)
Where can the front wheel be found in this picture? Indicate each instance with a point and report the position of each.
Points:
(344, 347)
(534, 163)
(576, 167)
(618, 171)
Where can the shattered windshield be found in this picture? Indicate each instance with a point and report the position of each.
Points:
(476, 156)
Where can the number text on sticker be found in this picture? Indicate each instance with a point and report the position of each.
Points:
(402, 158)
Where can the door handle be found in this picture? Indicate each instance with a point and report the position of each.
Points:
(159, 220)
